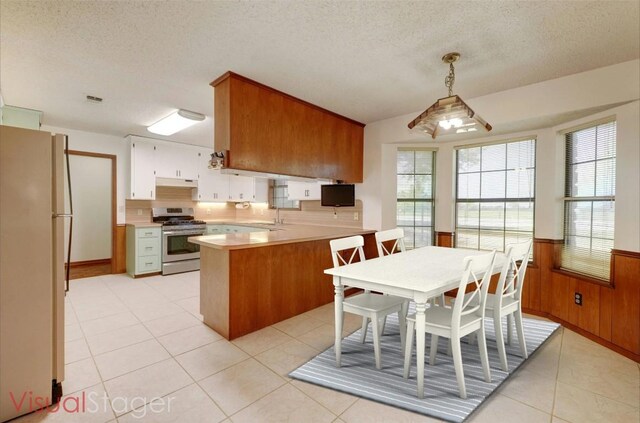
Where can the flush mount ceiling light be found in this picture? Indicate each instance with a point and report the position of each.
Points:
(449, 115)
(176, 121)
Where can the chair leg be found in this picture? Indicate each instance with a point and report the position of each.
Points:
(471, 338)
(376, 341)
(407, 348)
(497, 324)
(403, 327)
(433, 350)
(484, 357)
(443, 301)
(520, 329)
(383, 325)
(509, 328)
(365, 326)
(457, 364)
(449, 348)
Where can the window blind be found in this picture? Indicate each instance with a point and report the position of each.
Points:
(415, 193)
(590, 180)
(495, 195)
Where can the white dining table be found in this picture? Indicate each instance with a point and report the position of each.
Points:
(418, 274)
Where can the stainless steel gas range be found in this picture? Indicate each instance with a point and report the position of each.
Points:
(178, 224)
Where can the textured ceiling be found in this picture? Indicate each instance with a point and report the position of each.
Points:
(365, 60)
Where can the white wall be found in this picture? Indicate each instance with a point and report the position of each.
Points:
(91, 189)
(534, 103)
(105, 144)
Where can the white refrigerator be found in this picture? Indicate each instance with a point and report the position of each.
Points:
(32, 269)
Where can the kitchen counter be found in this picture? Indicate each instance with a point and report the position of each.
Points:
(144, 224)
(249, 281)
(274, 235)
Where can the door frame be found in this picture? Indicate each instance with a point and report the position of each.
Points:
(114, 189)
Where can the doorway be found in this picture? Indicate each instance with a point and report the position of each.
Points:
(93, 190)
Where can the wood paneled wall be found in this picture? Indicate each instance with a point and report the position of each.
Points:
(120, 265)
(609, 314)
(444, 239)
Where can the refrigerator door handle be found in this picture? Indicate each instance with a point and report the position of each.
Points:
(62, 215)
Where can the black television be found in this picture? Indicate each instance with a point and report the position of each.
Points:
(338, 195)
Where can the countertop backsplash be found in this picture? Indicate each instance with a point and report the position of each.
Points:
(311, 213)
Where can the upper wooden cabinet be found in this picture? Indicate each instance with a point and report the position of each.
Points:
(268, 131)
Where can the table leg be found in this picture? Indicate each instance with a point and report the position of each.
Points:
(339, 297)
(420, 340)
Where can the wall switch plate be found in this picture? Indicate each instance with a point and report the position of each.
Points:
(578, 298)
(356, 216)
(139, 212)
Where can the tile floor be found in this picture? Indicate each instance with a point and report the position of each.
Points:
(128, 340)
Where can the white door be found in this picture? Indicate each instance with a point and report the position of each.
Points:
(167, 160)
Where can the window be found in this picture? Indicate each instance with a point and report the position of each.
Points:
(495, 195)
(415, 196)
(279, 196)
(589, 205)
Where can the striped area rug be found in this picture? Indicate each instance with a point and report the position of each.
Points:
(358, 375)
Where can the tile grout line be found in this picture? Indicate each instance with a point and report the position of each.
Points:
(172, 357)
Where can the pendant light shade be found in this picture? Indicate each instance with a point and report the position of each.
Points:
(449, 115)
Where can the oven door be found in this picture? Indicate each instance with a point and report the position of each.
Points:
(175, 246)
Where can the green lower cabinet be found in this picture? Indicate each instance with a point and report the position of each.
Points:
(144, 250)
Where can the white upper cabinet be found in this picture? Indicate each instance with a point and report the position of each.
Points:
(178, 161)
(261, 190)
(241, 188)
(142, 178)
(304, 190)
(213, 186)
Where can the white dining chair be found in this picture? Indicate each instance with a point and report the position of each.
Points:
(383, 240)
(370, 306)
(464, 317)
(507, 301)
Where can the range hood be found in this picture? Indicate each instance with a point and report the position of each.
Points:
(172, 182)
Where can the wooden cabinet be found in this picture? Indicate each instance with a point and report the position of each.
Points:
(304, 190)
(265, 130)
(144, 249)
(142, 178)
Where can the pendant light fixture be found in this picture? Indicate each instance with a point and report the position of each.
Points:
(449, 115)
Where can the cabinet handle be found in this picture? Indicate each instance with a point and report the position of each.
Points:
(149, 263)
(199, 195)
(241, 196)
(148, 233)
(151, 193)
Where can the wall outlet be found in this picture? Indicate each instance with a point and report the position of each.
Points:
(139, 212)
(208, 211)
(578, 298)
(356, 215)
(335, 215)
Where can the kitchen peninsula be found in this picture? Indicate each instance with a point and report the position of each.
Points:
(249, 281)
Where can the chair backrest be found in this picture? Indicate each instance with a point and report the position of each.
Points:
(474, 301)
(512, 275)
(396, 235)
(352, 245)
